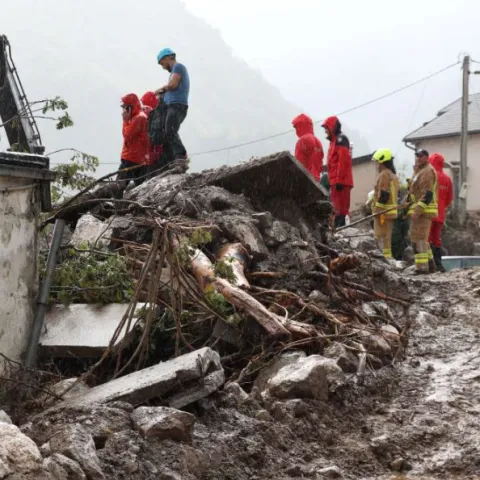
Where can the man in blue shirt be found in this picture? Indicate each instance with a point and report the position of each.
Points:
(176, 99)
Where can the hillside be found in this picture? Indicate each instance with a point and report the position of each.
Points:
(91, 54)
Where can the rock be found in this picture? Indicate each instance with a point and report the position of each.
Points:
(4, 418)
(235, 390)
(60, 387)
(242, 228)
(18, 453)
(380, 444)
(179, 382)
(164, 422)
(63, 468)
(375, 344)
(90, 230)
(397, 465)
(319, 298)
(265, 220)
(391, 334)
(100, 421)
(45, 450)
(280, 232)
(310, 377)
(263, 416)
(272, 368)
(331, 472)
(296, 407)
(345, 359)
(74, 442)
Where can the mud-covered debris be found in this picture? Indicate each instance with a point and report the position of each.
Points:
(235, 391)
(65, 389)
(163, 423)
(331, 472)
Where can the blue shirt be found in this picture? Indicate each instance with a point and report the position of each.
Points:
(180, 94)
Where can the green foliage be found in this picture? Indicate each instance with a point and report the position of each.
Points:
(200, 237)
(55, 104)
(224, 269)
(90, 277)
(73, 175)
(218, 303)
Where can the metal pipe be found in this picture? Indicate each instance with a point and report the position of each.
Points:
(31, 355)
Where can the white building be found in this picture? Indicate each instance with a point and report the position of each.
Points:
(442, 135)
(24, 193)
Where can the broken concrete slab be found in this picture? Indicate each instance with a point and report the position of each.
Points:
(81, 330)
(278, 175)
(178, 382)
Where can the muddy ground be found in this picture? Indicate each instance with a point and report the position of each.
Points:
(420, 416)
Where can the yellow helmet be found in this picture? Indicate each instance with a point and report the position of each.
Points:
(382, 155)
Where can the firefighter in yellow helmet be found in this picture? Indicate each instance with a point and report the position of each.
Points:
(385, 200)
(423, 208)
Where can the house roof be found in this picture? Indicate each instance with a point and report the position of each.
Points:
(362, 159)
(448, 121)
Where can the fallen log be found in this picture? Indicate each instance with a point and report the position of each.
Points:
(203, 271)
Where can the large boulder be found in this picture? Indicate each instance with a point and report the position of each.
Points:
(61, 467)
(91, 230)
(310, 377)
(74, 442)
(164, 422)
(18, 453)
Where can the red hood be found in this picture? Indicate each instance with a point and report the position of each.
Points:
(303, 125)
(149, 99)
(134, 101)
(332, 124)
(437, 161)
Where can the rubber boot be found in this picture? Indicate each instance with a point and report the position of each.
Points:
(437, 255)
(339, 221)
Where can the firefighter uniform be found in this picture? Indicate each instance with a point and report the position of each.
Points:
(385, 199)
(423, 198)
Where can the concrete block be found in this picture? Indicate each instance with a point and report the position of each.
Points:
(177, 383)
(279, 175)
(81, 330)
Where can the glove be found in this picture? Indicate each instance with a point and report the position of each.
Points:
(338, 187)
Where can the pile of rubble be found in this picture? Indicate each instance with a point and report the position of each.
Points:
(240, 288)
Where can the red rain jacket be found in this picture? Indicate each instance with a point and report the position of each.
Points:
(339, 164)
(149, 99)
(445, 187)
(135, 138)
(309, 150)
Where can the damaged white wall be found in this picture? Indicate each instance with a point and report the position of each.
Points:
(19, 211)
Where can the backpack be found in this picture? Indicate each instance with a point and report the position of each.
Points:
(156, 125)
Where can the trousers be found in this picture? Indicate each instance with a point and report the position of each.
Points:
(419, 233)
(435, 237)
(383, 235)
(176, 114)
(341, 200)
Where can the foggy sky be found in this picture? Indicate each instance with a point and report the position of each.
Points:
(324, 57)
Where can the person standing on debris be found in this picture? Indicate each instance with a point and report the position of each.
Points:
(445, 198)
(309, 150)
(135, 140)
(339, 166)
(423, 208)
(176, 99)
(154, 105)
(385, 200)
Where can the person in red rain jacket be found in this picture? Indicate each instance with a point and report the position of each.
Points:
(309, 150)
(339, 166)
(445, 197)
(135, 140)
(150, 103)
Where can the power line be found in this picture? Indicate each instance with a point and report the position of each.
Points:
(349, 110)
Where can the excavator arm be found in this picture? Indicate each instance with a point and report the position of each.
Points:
(15, 112)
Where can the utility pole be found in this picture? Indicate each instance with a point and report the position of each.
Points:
(462, 187)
